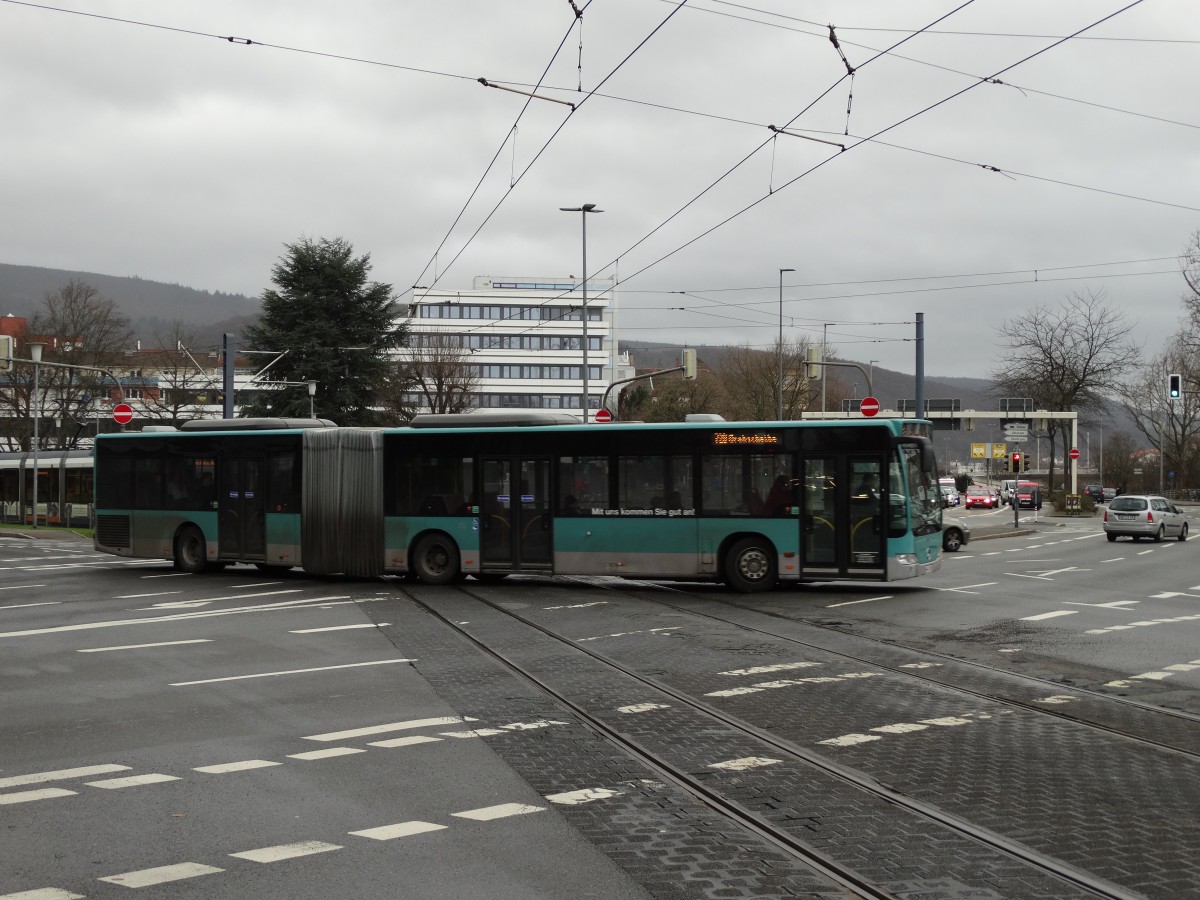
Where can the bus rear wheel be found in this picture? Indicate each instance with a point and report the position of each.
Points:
(435, 560)
(191, 550)
(750, 566)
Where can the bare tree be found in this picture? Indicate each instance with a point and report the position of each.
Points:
(670, 398)
(1189, 262)
(750, 383)
(1119, 449)
(1065, 358)
(78, 328)
(1171, 426)
(173, 385)
(440, 372)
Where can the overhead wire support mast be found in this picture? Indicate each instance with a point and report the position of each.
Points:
(501, 87)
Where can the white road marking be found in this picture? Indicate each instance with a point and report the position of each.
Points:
(143, 646)
(380, 662)
(154, 594)
(1122, 605)
(1056, 699)
(641, 708)
(967, 588)
(43, 894)
(61, 775)
(1019, 575)
(399, 830)
(241, 766)
(922, 665)
(789, 682)
(1157, 676)
(849, 740)
(131, 781)
(384, 729)
(500, 811)
(30, 796)
(853, 602)
(409, 741)
(43, 603)
(1142, 553)
(766, 670)
(575, 798)
(341, 627)
(1049, 615)
(478, 732)
(161, 875)
(627, 633)
(286, 851)
(580, 605)
(178, 604)
(176, 617)
(326, 753)
(746, 762)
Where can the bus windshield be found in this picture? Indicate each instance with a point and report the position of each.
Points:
(924, 495)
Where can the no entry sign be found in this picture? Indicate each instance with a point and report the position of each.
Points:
(603, 415)
(869, 406)
(122, 413)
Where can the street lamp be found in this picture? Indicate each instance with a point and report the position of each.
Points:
(583, 211)
(312, 392)
(779, 398)
(35, 356)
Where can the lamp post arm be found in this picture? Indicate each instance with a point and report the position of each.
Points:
(850, 365)
(55, 365)
(604, 400)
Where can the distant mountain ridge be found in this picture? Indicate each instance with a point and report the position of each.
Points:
(151, 306)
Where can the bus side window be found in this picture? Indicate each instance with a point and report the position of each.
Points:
(147, 482)
(282, 494)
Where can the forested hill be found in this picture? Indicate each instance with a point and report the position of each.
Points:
(151, 306)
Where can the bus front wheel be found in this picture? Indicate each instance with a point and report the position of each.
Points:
(750, 566)
(436, 560)
(191, 550)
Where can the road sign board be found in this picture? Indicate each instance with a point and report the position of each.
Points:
(1016, 428)
(869, 406)
(603, 415)
(122, 413)
(1074, 453)
(999, 451)
(979, 451)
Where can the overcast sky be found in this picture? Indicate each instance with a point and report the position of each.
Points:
(138, 141)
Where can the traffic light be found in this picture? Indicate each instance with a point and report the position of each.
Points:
(1174, 386)
(689, 364)
(1016, 463)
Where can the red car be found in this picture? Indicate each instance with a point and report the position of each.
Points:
(980, 497)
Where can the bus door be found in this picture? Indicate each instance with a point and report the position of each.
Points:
(241, 520)
(515, 521)
(843, 524)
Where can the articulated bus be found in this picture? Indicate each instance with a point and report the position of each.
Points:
(750, 504)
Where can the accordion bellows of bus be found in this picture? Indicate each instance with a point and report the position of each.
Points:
(750, 504)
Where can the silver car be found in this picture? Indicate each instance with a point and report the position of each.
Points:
(1142, 515)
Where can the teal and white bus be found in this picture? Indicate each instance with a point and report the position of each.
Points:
(750, 504)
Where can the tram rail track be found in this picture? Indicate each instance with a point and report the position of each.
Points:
(1159, 714)
(1081, 881)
